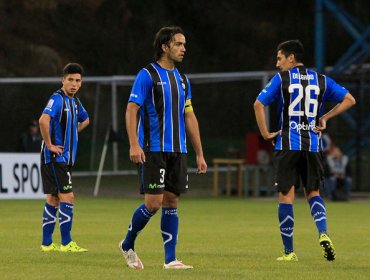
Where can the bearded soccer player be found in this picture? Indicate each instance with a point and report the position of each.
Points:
(300, 94)
(61, 121)
(162, 97)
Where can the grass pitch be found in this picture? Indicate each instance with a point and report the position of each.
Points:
(221, 238)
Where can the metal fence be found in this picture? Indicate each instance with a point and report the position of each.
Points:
(223, 104)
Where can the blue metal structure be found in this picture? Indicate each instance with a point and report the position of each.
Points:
(349, 63)
(359, 50)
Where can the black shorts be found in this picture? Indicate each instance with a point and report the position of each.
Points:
(163, 172)
(56, 178)
(293, 167)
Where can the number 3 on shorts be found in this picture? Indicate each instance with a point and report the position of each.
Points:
(162, 171)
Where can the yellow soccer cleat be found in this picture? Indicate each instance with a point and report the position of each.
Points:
(72, 247)
(291, 257)
(50, 248)
(327, 247)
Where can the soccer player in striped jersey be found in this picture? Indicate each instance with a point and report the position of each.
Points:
(61, 121)
(300, 94)
(161, 98)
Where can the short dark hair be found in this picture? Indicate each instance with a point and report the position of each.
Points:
(72, 68)
(292, 47)
(164, 36)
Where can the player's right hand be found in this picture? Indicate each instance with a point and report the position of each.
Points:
(56, 149)
(201, 165)
(137, 154)
(271, 135)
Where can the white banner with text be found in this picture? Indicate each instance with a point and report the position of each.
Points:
(20, 176)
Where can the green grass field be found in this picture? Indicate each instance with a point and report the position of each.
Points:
(222, 238)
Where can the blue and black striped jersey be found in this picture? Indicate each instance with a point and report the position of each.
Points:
(300, 94)
(65, 113)
(161, 95)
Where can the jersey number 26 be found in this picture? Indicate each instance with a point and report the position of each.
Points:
(308, 100)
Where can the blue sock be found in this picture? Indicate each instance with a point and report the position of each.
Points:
(318, 212)
(286, 219)
(140, 218)
(65, 221)
(48, 223)
(169, 228)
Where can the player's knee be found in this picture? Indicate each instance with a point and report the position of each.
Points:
(170, 200)
(153, 205)
(67, 197)
(52, 200)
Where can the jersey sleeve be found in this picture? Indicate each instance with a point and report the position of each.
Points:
(188, 96)
(271, 91)
(54, 106)
(142, 87)
(334, 92)
(82, 113)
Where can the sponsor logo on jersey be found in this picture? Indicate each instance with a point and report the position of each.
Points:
(302, 126)
(133, 95)
(303, 77)
(50, 104)
(161, 83)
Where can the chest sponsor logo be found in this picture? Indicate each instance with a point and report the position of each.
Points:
(161, 83)
(302, 126)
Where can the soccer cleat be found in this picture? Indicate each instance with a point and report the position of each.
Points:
(131, 258)
(72, 247)
(176, 264)
(50, 248)
(288, 257)
(327, 247)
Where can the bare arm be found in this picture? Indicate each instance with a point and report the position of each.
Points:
(192, 129)
(136, 153)
(44, 123)
(83, 125)
(347, 103)
(259, 110)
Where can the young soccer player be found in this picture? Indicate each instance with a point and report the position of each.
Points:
(300, 94)
(61, 121)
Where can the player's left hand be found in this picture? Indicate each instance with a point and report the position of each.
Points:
(201, 165)
(321, 127)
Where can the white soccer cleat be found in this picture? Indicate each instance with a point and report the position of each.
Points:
(176, 264)
(131, 258)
